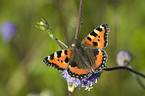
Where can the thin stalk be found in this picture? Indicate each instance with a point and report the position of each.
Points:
(78, 23)
(126, 68)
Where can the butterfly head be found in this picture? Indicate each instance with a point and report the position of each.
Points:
(77, 43)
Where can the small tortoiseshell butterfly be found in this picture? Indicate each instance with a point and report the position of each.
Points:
(84, 58)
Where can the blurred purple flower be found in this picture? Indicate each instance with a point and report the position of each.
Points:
(8, 29)
(87, 82)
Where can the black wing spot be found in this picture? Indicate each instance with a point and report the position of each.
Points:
(95, 43)
(66, 59)
(93, 33)
(46, 58)
(99, 29)
(89, 38)
(65, 52)
(98, 39)
(61, 61)
(59, 54)
(51, 56)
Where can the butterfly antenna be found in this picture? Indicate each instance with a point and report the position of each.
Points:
(78, 22)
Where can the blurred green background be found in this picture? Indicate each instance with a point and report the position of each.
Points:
(22, 72)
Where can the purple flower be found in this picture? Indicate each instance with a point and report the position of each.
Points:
(8, 29)
(87, 82)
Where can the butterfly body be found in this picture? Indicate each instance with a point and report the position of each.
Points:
(84, 58)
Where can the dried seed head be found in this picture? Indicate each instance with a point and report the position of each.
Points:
(123, 58)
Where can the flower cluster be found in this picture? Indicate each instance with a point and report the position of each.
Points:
(87, 82)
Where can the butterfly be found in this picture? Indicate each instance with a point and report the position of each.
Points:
(84, 58)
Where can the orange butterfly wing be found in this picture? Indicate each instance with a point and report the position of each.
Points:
(98, 38)
(59, 60)
(101, 59)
